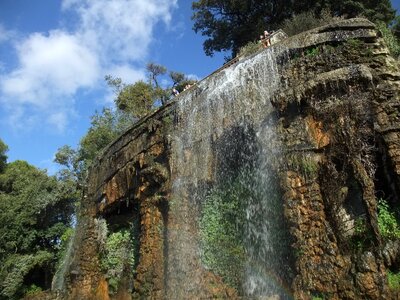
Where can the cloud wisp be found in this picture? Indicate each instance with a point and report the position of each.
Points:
(110, 37)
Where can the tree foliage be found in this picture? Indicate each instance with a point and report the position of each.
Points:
(117, 257)
(35, 211)
(231, 24)
(3, 156)
(390, 39)
(136, 99)
(221, 230)
(140, 98)
(105, 127)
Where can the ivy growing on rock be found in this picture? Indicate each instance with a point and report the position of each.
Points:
(117, 257)
(222, 229)
(388, 225)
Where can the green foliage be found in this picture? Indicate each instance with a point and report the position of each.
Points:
(304, 164)
(306, 20)
(35, 210)
(15, 269)
(395, 27)
(33, 290)
(393, 280)
(312, 51)
(362, 237)
(230, 25)
(3, 156)
(221, 227)
(136, 99)
(354, 43)
(249, 49)
(390, 39)
(105, 127)
(360, 226)
(374, 10)
(140, 98)
(155, 70)
(176, 77)
(387, 222)
(118, 257)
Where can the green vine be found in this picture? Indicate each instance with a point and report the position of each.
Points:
(387, 222)
(222, 229)
(117, 257)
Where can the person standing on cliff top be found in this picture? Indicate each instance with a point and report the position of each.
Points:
(267, 40)
(175, 92)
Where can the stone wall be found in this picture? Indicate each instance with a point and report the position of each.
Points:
(336, 102)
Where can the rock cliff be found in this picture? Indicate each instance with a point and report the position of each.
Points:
(315, 121)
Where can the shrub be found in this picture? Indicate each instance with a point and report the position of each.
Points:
(362, 237)
(393, 280)
(117, 257)
(249, 49)
(16, 268)
(221, 228)
(306, 21)
(390, 39)
(33, 290)
(387, 222)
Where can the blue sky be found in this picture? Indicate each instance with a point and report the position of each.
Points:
(54, 55)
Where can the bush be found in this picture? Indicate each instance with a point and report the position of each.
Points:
(390, 39)
(33, 290)
(117, 257)
(387, 222)
(221, 228)
(393, 280)
(15, 269)
(306, 21)
(249, 49)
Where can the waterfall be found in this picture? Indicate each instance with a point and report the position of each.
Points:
(226, 134)
(58, 283)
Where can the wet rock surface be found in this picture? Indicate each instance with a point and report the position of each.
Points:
(333, 96)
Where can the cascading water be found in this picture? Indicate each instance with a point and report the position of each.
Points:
(266, 239)
(58, 283)
(225, 134)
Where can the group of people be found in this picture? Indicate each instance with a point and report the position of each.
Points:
(265, 39)
(175, 92)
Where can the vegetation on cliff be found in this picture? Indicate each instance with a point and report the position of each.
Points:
(222, 229)
(117, 257)
(140, 98)
(230, 25)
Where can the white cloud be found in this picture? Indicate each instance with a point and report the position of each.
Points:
(5, 35)
(58, 120)
(110, 36)
(50, 67)
(126, 73)
(122, 28)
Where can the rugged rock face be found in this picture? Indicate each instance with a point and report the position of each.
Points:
(330, 97)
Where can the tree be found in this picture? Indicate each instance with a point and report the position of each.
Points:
(3, 156)
(231, 24)
(374, 10)
(35, 211)
(105, 127)
(140, 98)
(396, 27)
(137, 98)
(154, 71)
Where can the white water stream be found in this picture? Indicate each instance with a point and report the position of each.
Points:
(237, 97)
